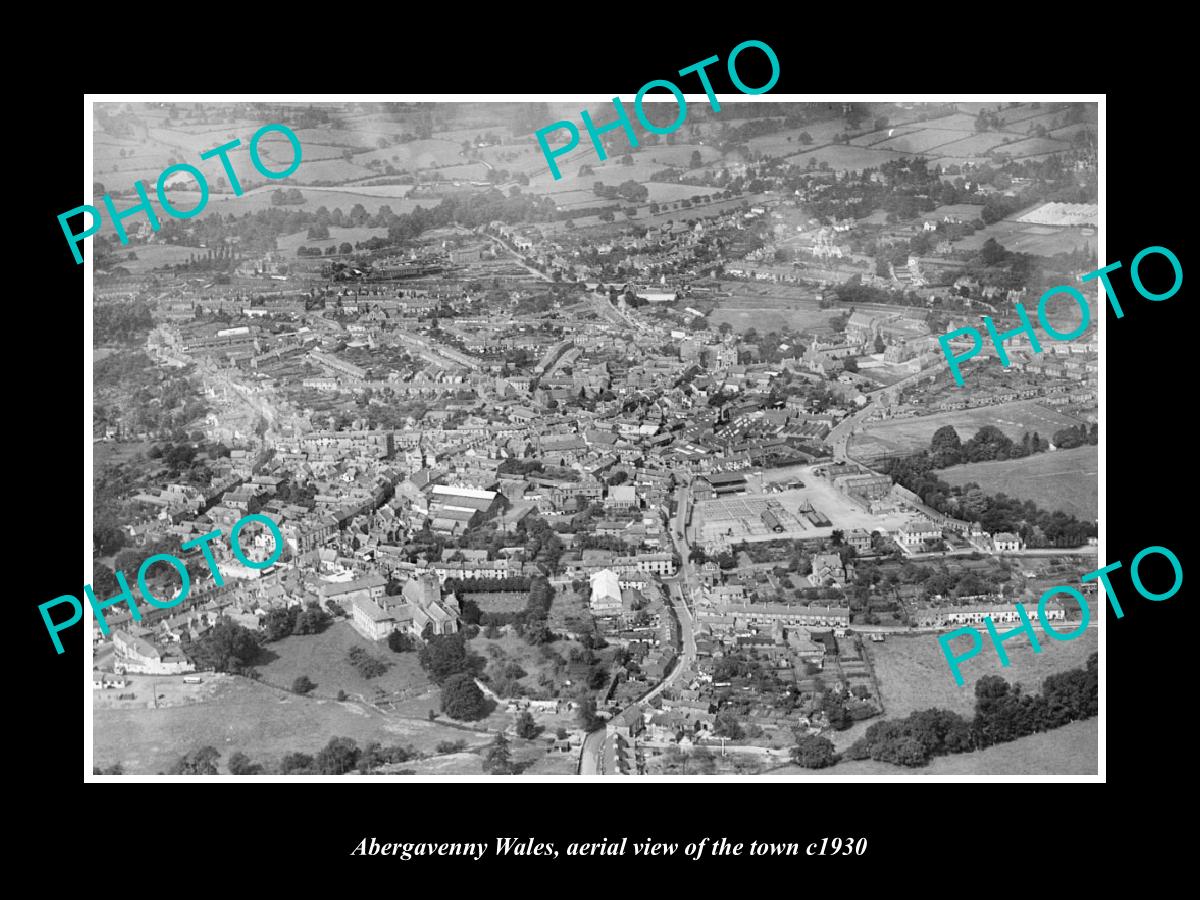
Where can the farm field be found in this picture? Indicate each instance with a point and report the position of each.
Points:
(1063, 480)
(154, 256)
(260, 721)
(913, 674)
(1071, 750)
(905, 435)
(846, 156)
(1022, 237)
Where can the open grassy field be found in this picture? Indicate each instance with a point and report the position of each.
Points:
(1022, 237)
(1070, 750)
(153, 256)
(322, 657)
(764, 321)
(1064, 480)
(913, 674)
(288, 243)
(846, 156)
(905, 435)
(260, 721)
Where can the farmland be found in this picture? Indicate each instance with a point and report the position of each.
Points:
(913, 674)
(1064, 480)
(1024, 237)
(907, 435)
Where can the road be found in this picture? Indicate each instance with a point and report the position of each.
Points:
(590, 755)
(688, 657)
(519, 260)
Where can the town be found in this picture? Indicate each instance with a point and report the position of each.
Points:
(656, 468)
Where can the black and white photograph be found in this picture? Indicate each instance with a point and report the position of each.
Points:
(445, 439)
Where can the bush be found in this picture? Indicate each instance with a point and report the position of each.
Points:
(451, 746)
(302, 685)
(341, 695)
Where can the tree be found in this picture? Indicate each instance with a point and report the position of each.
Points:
(588, 720)
(462, 699)
(226, 647)
(297, 764)
(302, 685)
(526, 727)
(727, 725)
(696, 161)
(278, 623)
(850, 364)
(879, 345)
(945, 447)
(337, 757)
(240, 764)
(498, 760)
(447, 654)
(345, 248)
(311, 620)
(813, 752)
(399, 642)
(197, 762)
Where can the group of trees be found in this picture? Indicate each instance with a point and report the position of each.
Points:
(365, 664)
(280, 622)
(1076, 436)
(226, 647)
(444, 655)
(629, 191)
(995, 513)
(947, 449)
(1003, 712)
(121, 322)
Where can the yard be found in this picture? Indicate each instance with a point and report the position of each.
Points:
(1066, 480)
(913, 674)
(322, 657)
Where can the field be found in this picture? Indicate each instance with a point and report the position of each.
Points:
(1064, 480)
(1021, 237)
(906, 435)
(913, 674)
(322, 657)
(1070, 750)
(768, 309)
(154, 256)
(288, 244)
(258, 720)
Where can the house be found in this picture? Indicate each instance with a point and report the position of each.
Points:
(860, 540)
(914, 534)
(135, 654)
(105, 681)
(1006, 542)
(628, 723)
